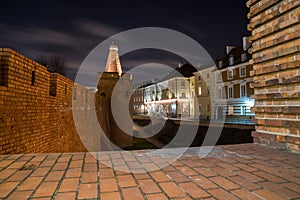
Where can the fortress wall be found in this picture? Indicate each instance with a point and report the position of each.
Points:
(35, 108)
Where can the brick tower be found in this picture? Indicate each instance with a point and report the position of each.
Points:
(107, 82)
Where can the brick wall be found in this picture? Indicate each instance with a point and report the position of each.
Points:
(276, 69)
(33, 117)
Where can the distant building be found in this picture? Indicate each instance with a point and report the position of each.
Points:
(138, 98)
(204, 87)
(173, 96)
(232, 84)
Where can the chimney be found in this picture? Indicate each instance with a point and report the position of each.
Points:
(246, 43)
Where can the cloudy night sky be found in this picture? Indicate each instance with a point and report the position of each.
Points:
(72, 29)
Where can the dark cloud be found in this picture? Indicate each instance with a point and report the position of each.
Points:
(73, 29)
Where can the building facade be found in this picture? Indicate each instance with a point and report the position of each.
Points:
(204, 87)
(233, 94)
(172, 96)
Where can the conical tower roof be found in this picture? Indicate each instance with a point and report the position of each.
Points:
(113, 61)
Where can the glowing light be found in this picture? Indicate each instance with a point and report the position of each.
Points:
(250, 102)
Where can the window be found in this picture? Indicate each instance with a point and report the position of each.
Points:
(74, 93)
(243, 57)
(230, 92)
(182, 84)
(207, 107)
(231, 60)
(243, 90)
(199, 90)
(32, 77)
(230, 73)
(230, 110)
(220, 93)
(243, 110)
(242, 71)
(3, 76)
(207, 75)
(183, 96)
(220, 63)
(65, 88)
(219, 77)
(208, 89)
(86, 96)
(199, 77)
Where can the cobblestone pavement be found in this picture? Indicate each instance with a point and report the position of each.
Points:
(246, 171)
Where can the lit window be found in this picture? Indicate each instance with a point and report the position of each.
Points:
(242, 71)
(243, 90)
(230, 92)
(243, 110)
(231, 60)
(230, 73)
(199, 90)
(230, 110)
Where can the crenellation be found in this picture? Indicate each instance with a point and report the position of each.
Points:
(33, 121)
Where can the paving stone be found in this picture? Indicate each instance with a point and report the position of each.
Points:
(132, 193)
(148, 186)
(88, 191)
(193, 190)
(172, 190)
(248, 178)
(46, 189)
(110, 196)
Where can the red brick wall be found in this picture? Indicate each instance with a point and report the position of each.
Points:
(32, 120)
(276, 69)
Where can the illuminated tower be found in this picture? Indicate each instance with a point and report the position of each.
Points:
(108, 116)
(113, 61)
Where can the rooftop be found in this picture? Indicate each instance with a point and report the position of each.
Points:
(245, 171)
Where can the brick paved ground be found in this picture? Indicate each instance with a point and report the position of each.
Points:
(244, 171)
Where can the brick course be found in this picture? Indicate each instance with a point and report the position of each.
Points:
(275, 58)
(35, 108)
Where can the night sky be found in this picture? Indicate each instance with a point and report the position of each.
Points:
(72, 29)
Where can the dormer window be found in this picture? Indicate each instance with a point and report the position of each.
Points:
(231, 60)
(220, 63)
(243, 57)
